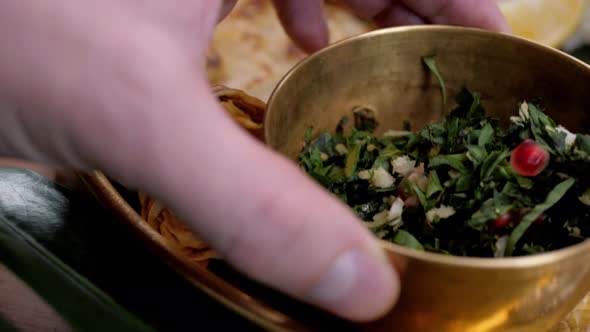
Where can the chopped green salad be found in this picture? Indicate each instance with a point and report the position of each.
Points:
(464, 185)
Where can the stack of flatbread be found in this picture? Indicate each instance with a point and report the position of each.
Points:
(251, 52)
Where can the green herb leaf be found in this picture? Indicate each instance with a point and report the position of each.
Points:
(585, 198)
(463, 183)
(434, 185)
(476, 104)
(406, 239)
(554, 196)
(489, 211)
(407, 126)
(352, 160)
(431, 64)
(421, 196)
(583, 142)
(455, 161)
(491, 163)
(341, 124)
(308, 136)
(486, 135)
(382, 162)
(476, 154)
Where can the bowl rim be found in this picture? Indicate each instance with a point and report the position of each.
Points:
(514, 262)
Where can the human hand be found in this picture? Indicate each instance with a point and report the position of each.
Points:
(304, 22)
(120, 85)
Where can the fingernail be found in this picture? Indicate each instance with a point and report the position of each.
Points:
(358, 286)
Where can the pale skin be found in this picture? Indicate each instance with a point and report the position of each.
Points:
(120, 85)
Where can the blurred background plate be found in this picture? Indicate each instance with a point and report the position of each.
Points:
(549, 22)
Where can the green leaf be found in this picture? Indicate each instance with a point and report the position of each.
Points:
(558, 139)
(486, 135)
(476, 104)
(463, 183)
(84, 306)
(407, 126)
(434, 133)
(431, 64)
(308, 136)
(352, 160)
(434, 185)
(390, 152)
(489, 211)
(539, 121)
(492, 162)
(524, 182)
(585, 198)
(455, 161)
(583, 142)
(382, 162)
(421, 196)
(469, 109)
(406, 239)
(552, 198)
(323, 143)
(336, 174)
(476, 154)
(341, 124)
(532, 250)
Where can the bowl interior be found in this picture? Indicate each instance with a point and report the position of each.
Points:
(383, 70)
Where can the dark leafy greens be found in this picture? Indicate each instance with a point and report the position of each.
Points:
(446, 187)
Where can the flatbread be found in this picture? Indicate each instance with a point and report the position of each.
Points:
(250, 50)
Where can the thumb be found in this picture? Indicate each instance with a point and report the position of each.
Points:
(264, 216)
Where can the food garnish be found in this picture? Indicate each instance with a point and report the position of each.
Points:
(464, 185)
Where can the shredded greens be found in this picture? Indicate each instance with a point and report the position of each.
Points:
(441, 188)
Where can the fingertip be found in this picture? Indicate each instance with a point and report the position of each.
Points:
(359, 286)
(310, 38)
(498, 21)
(475, 13)
(304, 22)
(396, 14)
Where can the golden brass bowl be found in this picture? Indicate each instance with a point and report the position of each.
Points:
(383, 70)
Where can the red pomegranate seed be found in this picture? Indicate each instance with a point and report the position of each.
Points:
(503, 221)
(401, 192)
(529, 158)
(540, 219)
